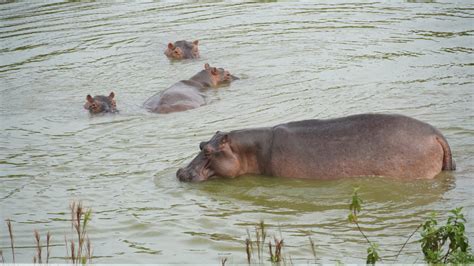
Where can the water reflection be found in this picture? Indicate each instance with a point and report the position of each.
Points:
(294, 195)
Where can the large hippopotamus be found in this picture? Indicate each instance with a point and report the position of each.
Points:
(101, 104)
(188, 94)
(358, 145)
(182, 50)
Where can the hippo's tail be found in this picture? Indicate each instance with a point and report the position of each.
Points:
(448, 162)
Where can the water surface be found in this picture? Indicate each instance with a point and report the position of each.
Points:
(296, 61)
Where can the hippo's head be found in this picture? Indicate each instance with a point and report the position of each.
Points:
(101, 104)
(215, 76)
(182, 50)
(216, 158)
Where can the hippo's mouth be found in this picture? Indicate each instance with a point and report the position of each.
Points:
(195, 174)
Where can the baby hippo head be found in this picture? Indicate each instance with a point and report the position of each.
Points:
(216, 158)
(182, 50)
(101, 104)
(218, 76)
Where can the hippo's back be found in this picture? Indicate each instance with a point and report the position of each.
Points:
(178, 97)
(358, 145)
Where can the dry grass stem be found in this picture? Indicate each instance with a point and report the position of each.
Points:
(38, 247)
(12, 244)
(48, 246)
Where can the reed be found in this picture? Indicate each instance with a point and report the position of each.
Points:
(223, 261)
(48, 245)
(73, 252)
(248, 249)
(260, 235)
(275, 250)
(12, 244)
(37, 257)
(313, 248)
(276, 256)
(82, 251)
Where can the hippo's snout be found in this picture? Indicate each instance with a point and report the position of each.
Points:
(186, 175)
(183, 175)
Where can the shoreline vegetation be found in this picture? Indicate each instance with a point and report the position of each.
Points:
(439, 243)
(78, 245)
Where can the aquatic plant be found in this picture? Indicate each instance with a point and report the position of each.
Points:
(275, 256)
(313, 248)
(447, 243)
(274, 250)
(80, 217)
(81, 252)
(223, 261)
(10, 232)
(443, 244)
(248, 247)
(355, 207)
(37, 258)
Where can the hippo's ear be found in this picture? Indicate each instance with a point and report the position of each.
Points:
(196, 42)
(207, 66)
(214, 71)
(170, 46)
(89, 98)
(111, 95)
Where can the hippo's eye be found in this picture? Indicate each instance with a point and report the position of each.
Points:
(207, 152)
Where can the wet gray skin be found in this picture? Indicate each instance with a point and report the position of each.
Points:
(358, 145)
(101, 104)
(189, 94)
(182, 50)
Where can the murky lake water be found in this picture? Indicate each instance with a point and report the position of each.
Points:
(296, 60)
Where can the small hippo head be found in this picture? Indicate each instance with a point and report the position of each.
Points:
(216, 158)
(182, 50)
(101, 104)
(213, 77)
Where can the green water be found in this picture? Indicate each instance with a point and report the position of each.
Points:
(296, 61)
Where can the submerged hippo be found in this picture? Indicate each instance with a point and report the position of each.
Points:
(358, 145)
(101, 104)
(188, 94)
(182, 50)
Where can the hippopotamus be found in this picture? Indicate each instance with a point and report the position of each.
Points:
(101, 104)
(182, 50)
(188, 94)
(386, 145)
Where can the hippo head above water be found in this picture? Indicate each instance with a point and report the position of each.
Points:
(182, 50)
(216, 158)
(101, 104)
(213, 76)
